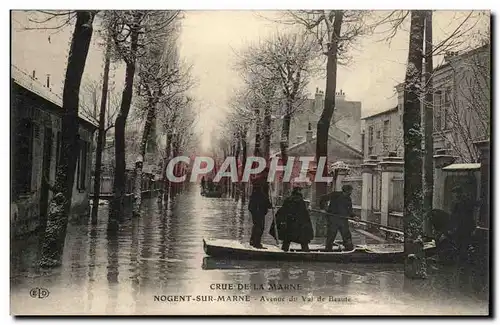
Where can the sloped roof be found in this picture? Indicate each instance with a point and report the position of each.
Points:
(354, 150)
(24, 80)
(387, 111)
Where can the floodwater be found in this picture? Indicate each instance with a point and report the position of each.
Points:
(155, 265)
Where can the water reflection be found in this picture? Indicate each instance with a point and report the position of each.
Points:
(120, 268)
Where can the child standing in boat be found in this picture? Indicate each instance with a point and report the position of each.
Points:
(258, 206)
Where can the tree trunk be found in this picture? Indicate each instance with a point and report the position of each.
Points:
(415, 266)
(146, 134)
(329, 105)
(174, 187)
(230, 183)
(57, 219)
(256, 150)
(236, 190)
(285, 133)
(100, 136)
(166, 182)
(428, 125)
(243, 163)
(266, 145)
(120, 124)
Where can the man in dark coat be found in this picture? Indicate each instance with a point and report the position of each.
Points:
(339, 208)
(293, 222)
(443, 235)
(463, 217)
(258, 206)
(203, 184)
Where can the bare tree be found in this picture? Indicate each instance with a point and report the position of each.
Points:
(57, 220)
(428, 123)
(131, 31)
(159, 73)
(415, 265)
(283, 64)
(101, 133)
(336, 32)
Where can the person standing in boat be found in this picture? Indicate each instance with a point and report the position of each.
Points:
(203, 183)
(210, 185)
(258, 206)
(339, 209)
(293, 222)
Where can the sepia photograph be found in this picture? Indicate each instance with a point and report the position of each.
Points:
(312, 162)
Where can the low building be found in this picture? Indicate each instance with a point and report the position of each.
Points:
(337, 151)
(36, 114)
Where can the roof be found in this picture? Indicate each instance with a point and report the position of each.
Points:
(394, 109)
(24, 80)
(356, 151)
(469, 166)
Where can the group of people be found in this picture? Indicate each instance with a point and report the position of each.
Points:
(293, 222)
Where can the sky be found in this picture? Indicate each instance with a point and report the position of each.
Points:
(209, 41)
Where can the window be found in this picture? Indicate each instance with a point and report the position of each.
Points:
(437, 110)
(385, 139)
(82, 165)
(23, 156)
(370, 140)
(445, 107)
(378, 135)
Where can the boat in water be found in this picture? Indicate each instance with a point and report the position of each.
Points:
(211, 194)
(370, 253)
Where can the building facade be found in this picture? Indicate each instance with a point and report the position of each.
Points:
(36, 115)
(345, 125)
(461, 109)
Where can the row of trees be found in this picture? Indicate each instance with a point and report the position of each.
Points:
(275, 77)
(155, 90)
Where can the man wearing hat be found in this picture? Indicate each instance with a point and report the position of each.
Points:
(258, 206)
(339, 209)
(293, 222)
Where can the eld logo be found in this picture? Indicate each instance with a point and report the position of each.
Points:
(39, 293)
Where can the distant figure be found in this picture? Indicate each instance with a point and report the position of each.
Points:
(339, 208)
(258, 206)
(293, 222)
(203, 183)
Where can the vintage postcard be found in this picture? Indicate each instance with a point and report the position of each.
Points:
(290, 162)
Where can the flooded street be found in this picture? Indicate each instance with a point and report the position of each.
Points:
(141, 267)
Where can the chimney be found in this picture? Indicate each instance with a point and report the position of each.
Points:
(340, 95)
(33, 75)
(318, 101)
(309, 133)
(449, 54)
(48, 81)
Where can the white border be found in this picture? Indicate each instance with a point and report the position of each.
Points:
(184, 4)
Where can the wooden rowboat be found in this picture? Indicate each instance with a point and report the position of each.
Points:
(211, 194)
(372, 253)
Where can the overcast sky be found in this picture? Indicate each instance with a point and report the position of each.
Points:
(209, 39)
